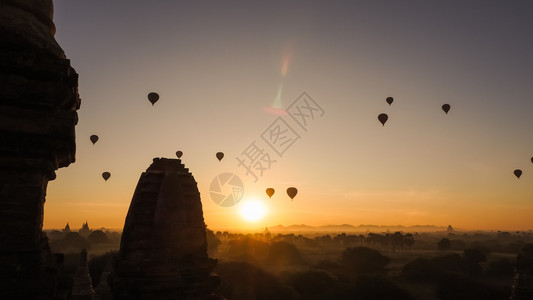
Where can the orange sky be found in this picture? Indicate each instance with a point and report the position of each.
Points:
(217, 66)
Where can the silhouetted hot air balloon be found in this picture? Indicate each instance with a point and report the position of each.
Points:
(389, 100)
(532, 159)
(220, 156)
(446, 108)
(270, 192)
(94, 138)
(153, 97)
(106, 175)
(517, 173)
(383, 118)
(292, 191)
(179, 154)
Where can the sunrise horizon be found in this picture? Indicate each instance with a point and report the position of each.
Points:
(369, 111)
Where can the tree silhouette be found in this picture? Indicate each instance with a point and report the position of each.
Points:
(284, 253)
(435, 269)
(409, 241)
(364, 260)
(457, 244)
(460, 287)
(501, 268)
(419, 270)
(472, 259)
(98, 237)
(247, 249)
(241, 280)
(73, 241)
(370, 288)
(212, 242)
(313, 284)
(444, 244)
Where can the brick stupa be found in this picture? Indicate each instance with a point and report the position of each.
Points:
(163, 251)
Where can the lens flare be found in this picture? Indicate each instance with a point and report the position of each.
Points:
(277, 101)
(286, 58)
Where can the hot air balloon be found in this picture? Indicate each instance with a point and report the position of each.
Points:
(270, 192)
(383, 118)
(94, 138)
(446, 108)
(220, 156)
(179, 154)
(517, 173)
(389, 100)
(153, 97)
(106, 175)
(292, 191)
(532, 159)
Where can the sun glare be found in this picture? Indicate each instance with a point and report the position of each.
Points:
(252, 210)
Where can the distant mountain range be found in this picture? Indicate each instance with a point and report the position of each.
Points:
(352, 228)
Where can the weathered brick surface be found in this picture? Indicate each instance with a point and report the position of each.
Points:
(163, 252)
(38, 103)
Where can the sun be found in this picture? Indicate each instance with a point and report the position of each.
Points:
(252, 210)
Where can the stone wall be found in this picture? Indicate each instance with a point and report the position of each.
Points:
(38, 103)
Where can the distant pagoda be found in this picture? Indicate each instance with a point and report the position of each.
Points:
(85, 230)
(163, 251)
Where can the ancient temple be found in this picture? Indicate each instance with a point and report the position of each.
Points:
(67, 228)
(38, 103)
(523, 276)
(85, 230)
(163, 251)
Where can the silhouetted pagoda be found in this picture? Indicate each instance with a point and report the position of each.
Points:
(163, 251)
(85, 230)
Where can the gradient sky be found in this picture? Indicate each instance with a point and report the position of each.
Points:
(217, 66)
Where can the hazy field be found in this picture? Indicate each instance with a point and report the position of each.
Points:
(336, 265)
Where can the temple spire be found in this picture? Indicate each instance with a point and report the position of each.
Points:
(163, 250)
